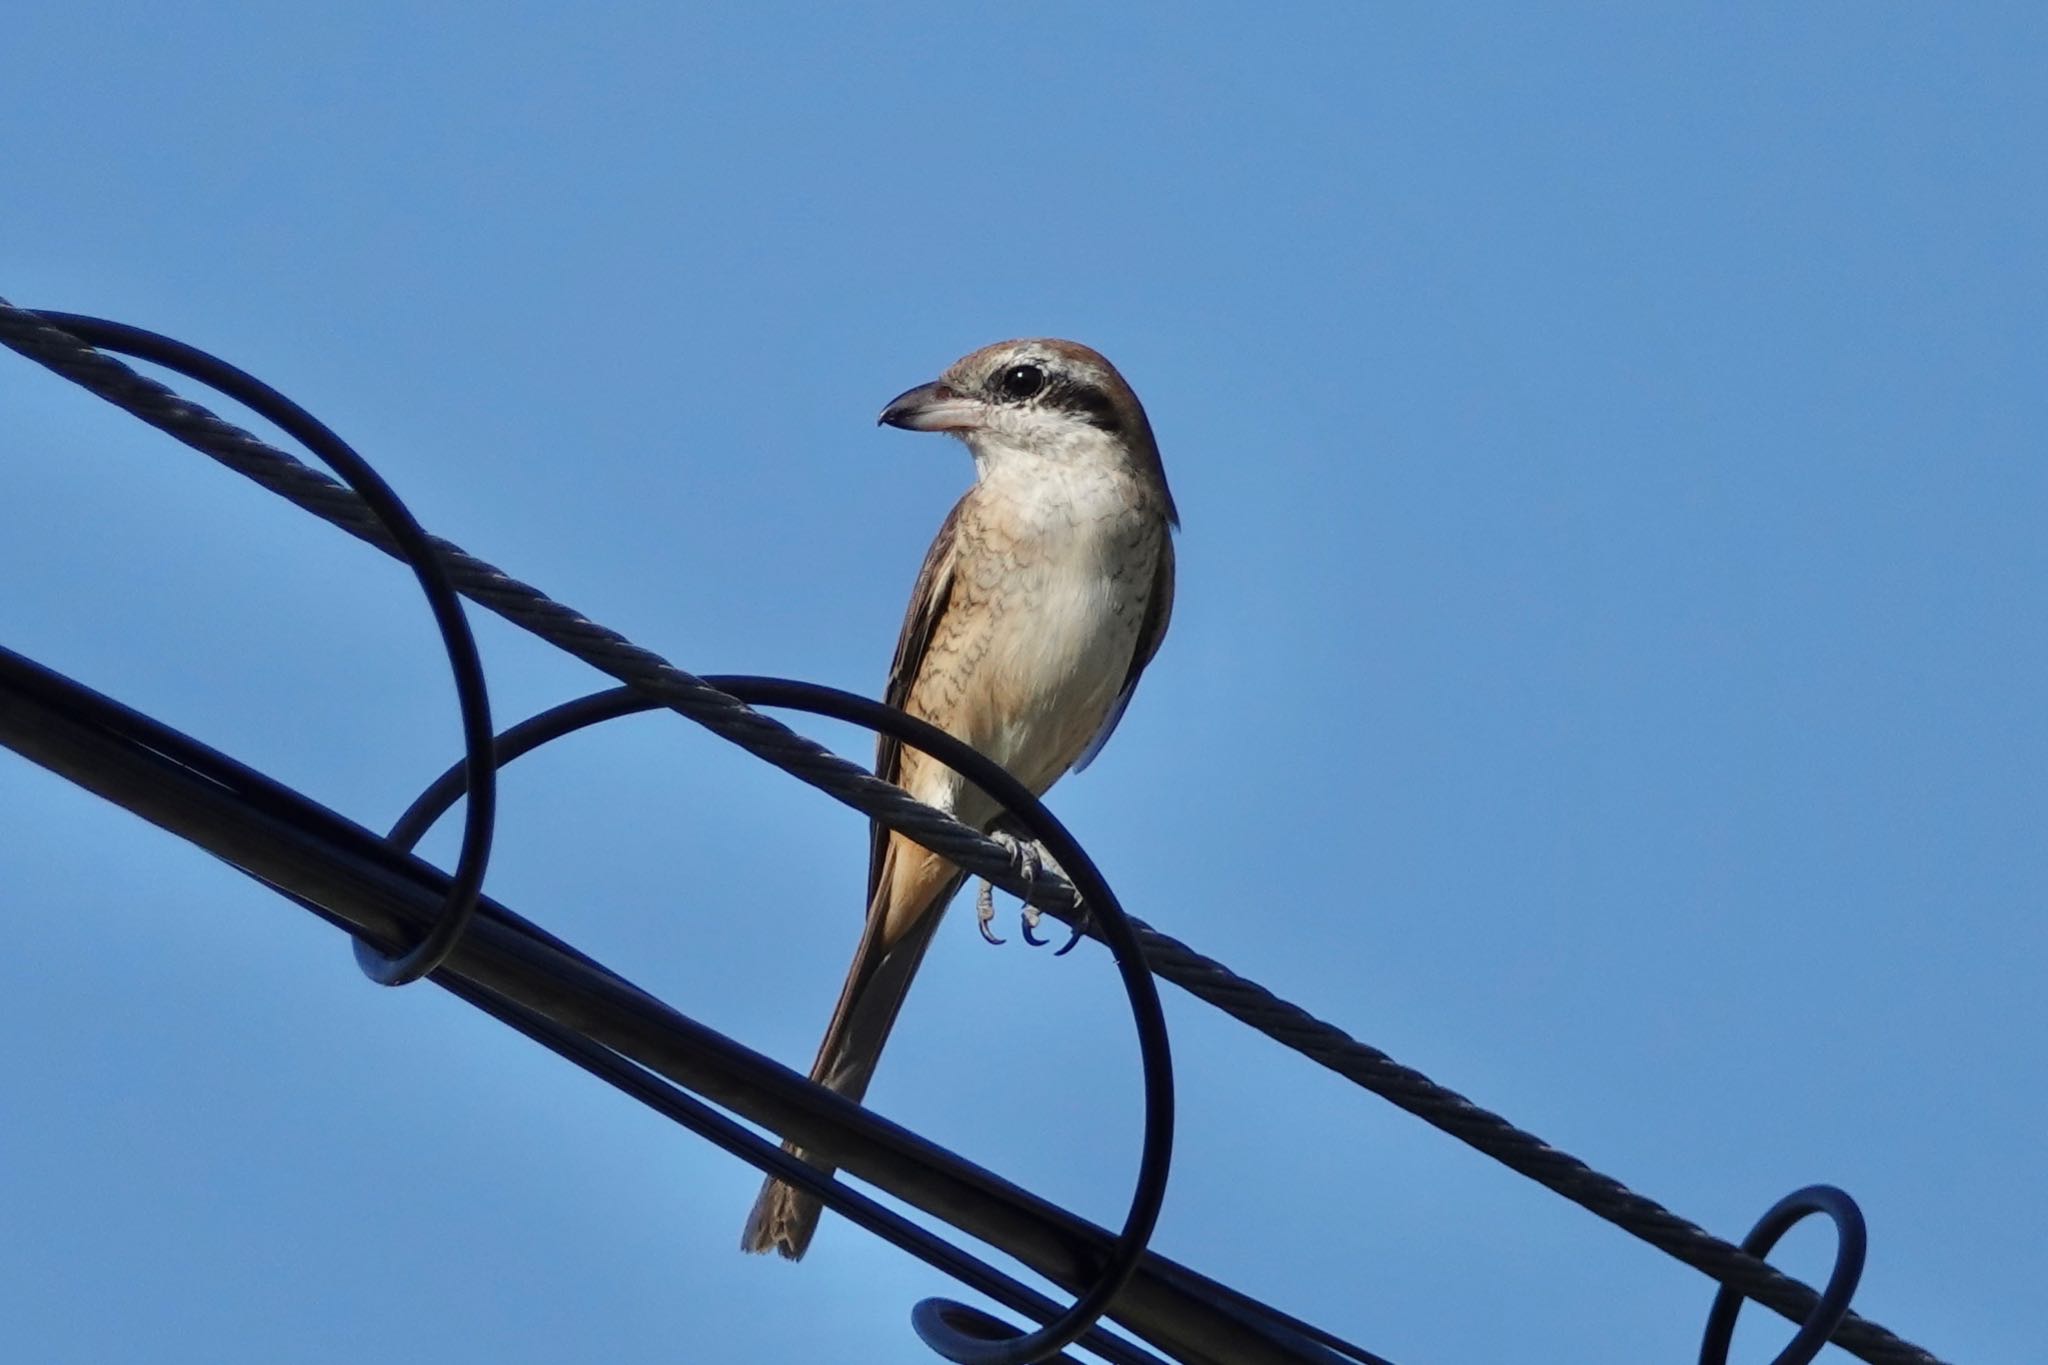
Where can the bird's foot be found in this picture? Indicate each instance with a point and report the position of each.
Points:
(1046, 862)
(1027, 857)
(1032, 860)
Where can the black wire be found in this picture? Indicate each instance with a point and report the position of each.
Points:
(734, 1138)
(1851, 1242)
(479, 818)
(944, 1325)
(418, 552)
(34, 337)
(337, 870)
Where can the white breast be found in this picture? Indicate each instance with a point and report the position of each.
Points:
(1065, 557)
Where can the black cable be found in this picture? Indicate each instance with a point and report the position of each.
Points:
(568, 630)
(411, 545)
(944, 1325)
(560, 721)
(581, 713)
(737, 1140)
(1244, 1000)
(363, 884)
(479, 773)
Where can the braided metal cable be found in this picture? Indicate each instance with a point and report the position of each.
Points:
(1447, 1111)
(847, 782)
(526, 607)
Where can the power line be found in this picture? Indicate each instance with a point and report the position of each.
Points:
(666, 685)
(368, 886)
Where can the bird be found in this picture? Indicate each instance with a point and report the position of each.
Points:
(1041, 601)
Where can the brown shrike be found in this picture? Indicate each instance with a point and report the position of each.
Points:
(1042, 600)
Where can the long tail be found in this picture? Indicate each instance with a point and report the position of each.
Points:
(913, 889)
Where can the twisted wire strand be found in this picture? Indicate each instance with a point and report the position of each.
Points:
(1206, 979)
(1485, 1131)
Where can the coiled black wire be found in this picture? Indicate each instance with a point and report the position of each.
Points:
(34, 336)
(954, 1330)
(934, 1319)
(480, 778)
(1851, 1242)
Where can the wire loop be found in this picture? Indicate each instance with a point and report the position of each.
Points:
(419, 553)
(358, 513)
(962, 1334)
(1851, 1241)
(941, 1323)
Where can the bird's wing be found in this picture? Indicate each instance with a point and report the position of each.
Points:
(1152, 630)
(927, 603)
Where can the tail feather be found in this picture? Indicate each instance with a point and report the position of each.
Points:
(910, 894)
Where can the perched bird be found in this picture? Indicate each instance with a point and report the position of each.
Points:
(1042, 600)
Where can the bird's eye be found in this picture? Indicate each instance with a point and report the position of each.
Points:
(1020, 382)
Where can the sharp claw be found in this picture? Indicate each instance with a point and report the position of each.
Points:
(985, 914)
(1079, 932)
(1029, 922)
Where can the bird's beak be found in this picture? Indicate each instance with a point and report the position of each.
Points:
(933, 407)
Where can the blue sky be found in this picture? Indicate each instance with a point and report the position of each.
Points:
(1606, 673)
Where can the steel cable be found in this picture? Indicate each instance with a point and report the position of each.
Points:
(611, 653)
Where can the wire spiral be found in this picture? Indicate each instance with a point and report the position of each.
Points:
(959, 1333)
(476, 776)
(1851, 1242)
(1739, 1270)
(412, 545)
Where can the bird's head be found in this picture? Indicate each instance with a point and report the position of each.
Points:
(1044, 398)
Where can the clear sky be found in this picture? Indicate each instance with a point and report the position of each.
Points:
(1607, 671)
